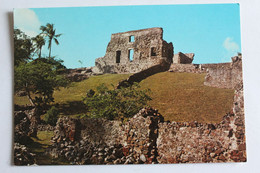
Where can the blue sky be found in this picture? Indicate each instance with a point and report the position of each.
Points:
(210, 31)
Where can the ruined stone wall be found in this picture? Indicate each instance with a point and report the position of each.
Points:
(186, 68)
(221, 75)
(181, 58)
(148, 49)
(194, 142)
(147, 138)
(224, 75)
(108, 142)
(139, 76)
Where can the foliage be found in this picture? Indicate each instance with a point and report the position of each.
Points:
(39, 77)
(50, 33)
(52, 116)
(39, 42)
(116, 103)
(23, 47)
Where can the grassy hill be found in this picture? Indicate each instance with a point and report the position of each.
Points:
(77, 90)
(183, 97)
(177, 96)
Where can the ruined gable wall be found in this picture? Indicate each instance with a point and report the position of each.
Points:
(143, 41)
(148, 46)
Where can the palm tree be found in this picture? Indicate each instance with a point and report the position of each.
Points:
(39, 41)
(49, 32)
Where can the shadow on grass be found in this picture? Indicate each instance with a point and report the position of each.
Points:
(72, 108)
(41, 156)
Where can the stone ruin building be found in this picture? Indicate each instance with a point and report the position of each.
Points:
(144, 53)
(134, 51)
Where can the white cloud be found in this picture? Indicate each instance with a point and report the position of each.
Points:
(230, 45)
(27, 21)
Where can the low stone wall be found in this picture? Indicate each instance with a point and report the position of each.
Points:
(220, 75)
(224, 75)
(108, 142)
(78, 74)
(138, 77)
(186, 68)
(147, 138)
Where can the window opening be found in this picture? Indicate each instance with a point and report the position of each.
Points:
(131, 54)
(153, 51)
(131, 38)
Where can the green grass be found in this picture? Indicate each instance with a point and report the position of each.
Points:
(78, 90)
(183, 97)
(177, 96)
(38, 147)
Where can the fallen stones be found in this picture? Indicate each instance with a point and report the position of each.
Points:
(22, 156)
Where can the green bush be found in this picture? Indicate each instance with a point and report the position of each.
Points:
(52, 116)
(116, 103)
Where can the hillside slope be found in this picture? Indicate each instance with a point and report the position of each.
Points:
(177, 96)
(183, 97)
(77, 90)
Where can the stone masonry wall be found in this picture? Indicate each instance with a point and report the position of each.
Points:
(224, 75)
(139, 76)
(221, 75)
(108, 142)
(195, 142)
(185, 68)
(181, 58)
(148, 48)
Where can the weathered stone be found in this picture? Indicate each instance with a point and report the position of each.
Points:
(142, 158)
(181, 58)
(148, 49)
(224, 75)
(22, 155)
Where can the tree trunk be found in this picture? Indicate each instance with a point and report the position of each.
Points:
(50, 51)
(30, 98)
(40, 52)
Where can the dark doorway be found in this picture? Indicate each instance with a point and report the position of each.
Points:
(118, 54)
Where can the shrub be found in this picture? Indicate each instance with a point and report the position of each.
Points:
(116, 103)
(52, 116)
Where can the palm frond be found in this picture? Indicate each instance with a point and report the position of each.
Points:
(56, 41)
(58, 35)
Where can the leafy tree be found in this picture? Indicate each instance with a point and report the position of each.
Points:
(39, 42)
(23, 47)
(116, 103)
(50, 32)
(39, 78)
